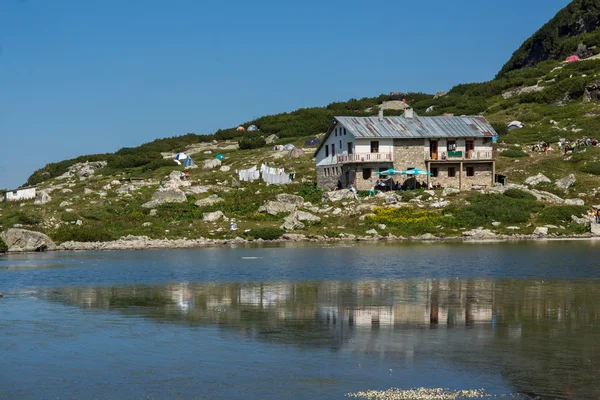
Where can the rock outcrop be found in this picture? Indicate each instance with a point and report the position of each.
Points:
(291, 222)
(211, 164)
(338, 195)
(82, 170)
(566, 182)
(165, 195)
(41, 198)
(537, 179)
(19, 240)
(209, 201)
(213, 216)
(276, 207)
(290, 199)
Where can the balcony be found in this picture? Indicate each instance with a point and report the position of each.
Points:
(365, 158)
(454, 156)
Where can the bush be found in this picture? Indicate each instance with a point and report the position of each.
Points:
(3, 246)
(27, 219)
(519, 194)
(560, 215)
(513, 153)
(266, 233)
(591, 168)
(69, 217)
(310, 192)
(255, 142)
(85, 233)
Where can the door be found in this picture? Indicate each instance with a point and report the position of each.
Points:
(469, 147)
(433, 150)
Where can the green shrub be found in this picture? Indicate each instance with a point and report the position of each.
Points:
(407, 220)
(513, 153)
(252, 142)
(519, 194)
(84, 233)
(266, 233)
(310, 192)
(3, 246)
(591, 168)
(25, 218)
(560, 215)
(69, 217)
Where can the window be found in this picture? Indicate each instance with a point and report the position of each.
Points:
(326, 150)
(375, 146)
(336, 132)
(366, 173)
(434, 172)
(451, 145)
(451, 172)
(332, 149)
(344, 131)
(470, 171)
(349, 147)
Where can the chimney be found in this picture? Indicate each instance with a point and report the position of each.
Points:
(381, 114)
(408, 113)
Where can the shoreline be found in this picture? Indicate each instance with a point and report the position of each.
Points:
(144, 243)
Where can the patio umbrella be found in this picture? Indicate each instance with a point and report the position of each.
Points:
(388, 172)
(415, 171)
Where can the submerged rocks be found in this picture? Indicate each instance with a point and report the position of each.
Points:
(18, 240)
(165, 195)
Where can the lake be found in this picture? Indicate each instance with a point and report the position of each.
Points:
(303, 322)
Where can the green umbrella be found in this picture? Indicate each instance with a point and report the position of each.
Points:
(415, 171)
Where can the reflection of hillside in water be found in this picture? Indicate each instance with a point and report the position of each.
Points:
(542, 336)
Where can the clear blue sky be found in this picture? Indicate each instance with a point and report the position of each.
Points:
(80, 77)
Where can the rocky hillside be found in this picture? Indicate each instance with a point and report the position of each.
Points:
(574, 30)
(136, 197)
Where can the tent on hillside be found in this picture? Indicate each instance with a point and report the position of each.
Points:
(240, 129)
(188, 162)
(312, 142)
(573, 58)
(515, 125)
(296, 153)
(289, 146)
(181, 157)
(252, 128)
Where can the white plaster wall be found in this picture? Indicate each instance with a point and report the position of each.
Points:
(20, 194)
(364, 145)
(337, 137)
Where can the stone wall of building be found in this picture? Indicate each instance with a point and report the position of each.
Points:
(483, 175)
(328, 176)
(442, 175)
(367, 184)
(409, 153)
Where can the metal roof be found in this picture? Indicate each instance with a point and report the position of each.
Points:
(417, 127)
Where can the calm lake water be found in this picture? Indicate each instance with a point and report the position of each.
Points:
(303, 322)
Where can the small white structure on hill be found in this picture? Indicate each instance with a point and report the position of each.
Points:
(24, 193)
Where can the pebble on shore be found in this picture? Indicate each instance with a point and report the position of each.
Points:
(419, 394)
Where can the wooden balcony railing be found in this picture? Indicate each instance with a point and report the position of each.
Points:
(365, 157)
(461, 155)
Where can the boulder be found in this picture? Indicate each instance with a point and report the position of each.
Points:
(87, 191)
(271, 139)
(212, 216)
(293, 237)
(42, 198)
(291, 222)
(290, 199)
(305, 216)
(592, 92)
(574, 202)
(212, 163)
(209, 201)
(566, 182)
(479, 233)
(225, 168)
(541, 231)
(65, 204)
(165, 195)
(372, 232)
(126, 188)
(23, 240)
(337, 211)
(537, 179)
(580, 220)
(440, 204)
(583, 51)
(276, 207)
(115, 182)
(449, 190)
(197, 189)
(338, 195)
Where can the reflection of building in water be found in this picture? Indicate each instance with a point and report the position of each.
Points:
(264, 295)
